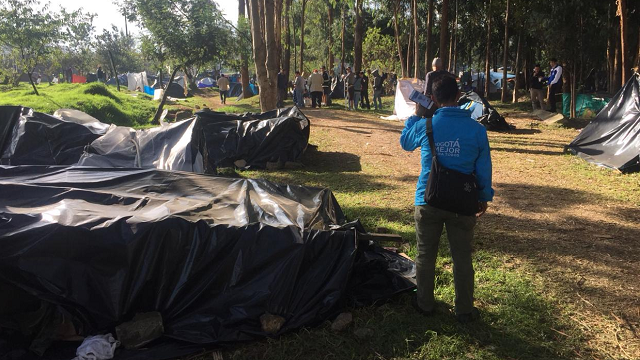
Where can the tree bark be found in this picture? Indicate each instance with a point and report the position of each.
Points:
(244, 63)
(516, 69)
(487, 67)
(416, 47)
(572, 81)
(396, 31)
(444, 32)
(304, 6)
(263, 18)
(330, 53)
(35, 90)
(617, 80)
(505, 57)
(344, 15)
(622, 13)
(357, 46)
(409, 52)
(428, 50)
(455, 42)
(113, 66)
(286, 61)
(156, 117)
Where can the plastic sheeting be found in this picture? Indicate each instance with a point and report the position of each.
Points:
(33, 138)
(612, 139)
(206, 83)
(403, 106)
(137, 81)
(210, 254)
(483, 112)
(206, 142)
(586, 104)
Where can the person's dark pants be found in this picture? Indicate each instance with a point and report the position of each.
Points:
(429, 224)
(553, 90)
(364, 99)
(316, 99)
(327, 95)
(282, 95)
(223, 96)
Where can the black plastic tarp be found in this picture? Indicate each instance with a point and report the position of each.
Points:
(206, 142)
(32, 138)
(612, 138)
(483, 112)
(210, 254)
(337, 88)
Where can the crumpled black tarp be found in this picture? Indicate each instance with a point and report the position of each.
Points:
(337, 88)
(210, 254)
(206, 142)
(488, 116)
(612, 138)
(32, 138)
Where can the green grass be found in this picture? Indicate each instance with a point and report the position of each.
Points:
(97, 100)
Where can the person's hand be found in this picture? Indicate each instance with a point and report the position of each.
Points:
(482, 208)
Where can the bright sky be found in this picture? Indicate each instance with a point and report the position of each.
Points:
(107, 12)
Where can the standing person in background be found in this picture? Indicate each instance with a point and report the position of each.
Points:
(100, 74)
(537, 95)
(348, 80)
(357, 90)
(365, 91)
(223, 86)
(282, 88)
(460, 145)
(555, 83)
(377, 88)
(315, 83)
(429, 79)
(299, 89)
(326, 87)
(69, 75)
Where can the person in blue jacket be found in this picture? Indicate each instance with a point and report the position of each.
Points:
(461, 144)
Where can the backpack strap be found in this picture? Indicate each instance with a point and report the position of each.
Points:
(430, 136)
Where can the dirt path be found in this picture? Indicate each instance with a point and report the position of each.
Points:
(577, 225)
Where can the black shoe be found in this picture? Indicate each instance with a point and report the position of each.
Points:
(414, 303)
(469, 317)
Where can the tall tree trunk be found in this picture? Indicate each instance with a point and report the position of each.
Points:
(286, 60)
(416, 38)
(622, 13)
(33, 85)
(396, 30)
(344, 15)
(304, 5)
(517, 69)
(505, 56)
(617, 71)
(277, 9)
(444, 32)
(330, 53)
(263, 18)
(487, 58)
(113, 66)
(455, 42)
(357, 46)
(610, 53)
(156, 117)
(572, 82)
(428, 51)
(244, 63)
(409, 52)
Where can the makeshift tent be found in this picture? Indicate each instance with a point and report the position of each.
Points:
(483, 112)
(78, 79)
(495, 82)
(122, 79)
(85, 250)
(585, 104)
(235, 90)
(403, 107)
(612, 138)
(137, 81)
(206, 83)
(205, 142)
(337, 88)
(32, 138)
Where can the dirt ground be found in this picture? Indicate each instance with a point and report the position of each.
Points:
(578, 225)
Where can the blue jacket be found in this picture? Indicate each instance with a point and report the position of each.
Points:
(461, 143)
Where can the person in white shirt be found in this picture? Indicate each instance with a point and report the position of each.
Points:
(555, 83)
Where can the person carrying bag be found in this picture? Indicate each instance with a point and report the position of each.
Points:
(453, 189)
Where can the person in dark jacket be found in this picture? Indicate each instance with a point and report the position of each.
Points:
(537, 95)
(462, 145)
(357, 90)
(378, 82)
(326, 87)
(100, 74)
(364, 94)
(282, 88)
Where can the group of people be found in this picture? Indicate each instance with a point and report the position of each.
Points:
(317, 86)
(356, 89)
(538, 81)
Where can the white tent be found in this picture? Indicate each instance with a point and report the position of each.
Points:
(137, 81)
(403, 107)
